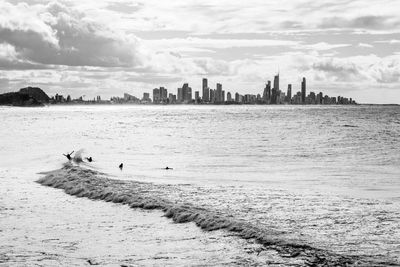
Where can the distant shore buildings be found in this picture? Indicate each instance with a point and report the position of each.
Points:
(271, 95)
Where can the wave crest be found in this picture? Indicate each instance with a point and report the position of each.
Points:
(83, 182)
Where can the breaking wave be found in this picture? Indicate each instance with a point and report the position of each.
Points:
(83, 182)
(78, 156)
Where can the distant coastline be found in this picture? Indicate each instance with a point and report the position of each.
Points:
(36, 97)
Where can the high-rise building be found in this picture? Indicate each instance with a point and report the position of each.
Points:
(146, 97)
(267, 93)
(229, 97)
(206, 91)
(223, 96)
(156, 95)
(171, 98)
(212, 96)
(237, 97)
(276, 82)
(160, 95)
(163, 95)
(187, 93)
(180, 95)
(320, 97)
(275, 91)
(218, 93)
(289, 93)
(303, 91)
(313, 98)
(197, 96)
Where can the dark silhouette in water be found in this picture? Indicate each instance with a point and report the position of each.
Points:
(68, 155)
(168, 168)
(121, 166)
(91, 262)
(89, 159)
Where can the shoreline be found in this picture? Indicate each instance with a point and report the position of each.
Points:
(87, 183)
(208, 104)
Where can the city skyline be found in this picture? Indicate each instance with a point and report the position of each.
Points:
(184, 95)
(269, 95)
(106, 48)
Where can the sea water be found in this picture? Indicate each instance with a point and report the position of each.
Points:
(327, 177)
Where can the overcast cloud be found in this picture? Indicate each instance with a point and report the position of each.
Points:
(110, 47)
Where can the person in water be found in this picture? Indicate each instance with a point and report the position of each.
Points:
(68, 155)
(121, 166)
(89, 159)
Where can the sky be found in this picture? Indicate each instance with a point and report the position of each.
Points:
(108, 47)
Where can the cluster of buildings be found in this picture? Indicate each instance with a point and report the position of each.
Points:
(272, 94)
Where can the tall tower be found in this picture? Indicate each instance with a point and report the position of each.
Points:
(206, 91)
(276, 82)
(275, 90)
(303, 91)
(156, 95)
(289, 93)
(218, 93)
(187, 93)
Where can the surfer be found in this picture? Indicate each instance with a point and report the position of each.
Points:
(121, 166)
(89, 159)
(68, 155)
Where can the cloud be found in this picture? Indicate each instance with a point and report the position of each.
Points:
(341, 71)
(325, 46)
(360, 69)
(60, 35)
(195, 42)
(393, 41)
(362, 22)
(365, 45)
(10, 59)
(127, 8)
(387, 71)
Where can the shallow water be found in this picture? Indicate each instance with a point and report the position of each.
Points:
(323, 176)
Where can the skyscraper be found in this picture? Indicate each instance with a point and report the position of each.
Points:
(163, 94)
(276, 82)
(187, 93)
(180, 95)
(156, 95)
(206, 91)
(212, 95)
(229, 97)
(218, 93)
(303, 91)
(289, 93)
(267, 93)
(237, 97)
(275, 91)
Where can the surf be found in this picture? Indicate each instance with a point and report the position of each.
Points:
(79, 181)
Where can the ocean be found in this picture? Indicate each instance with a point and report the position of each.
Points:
(249, 185)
